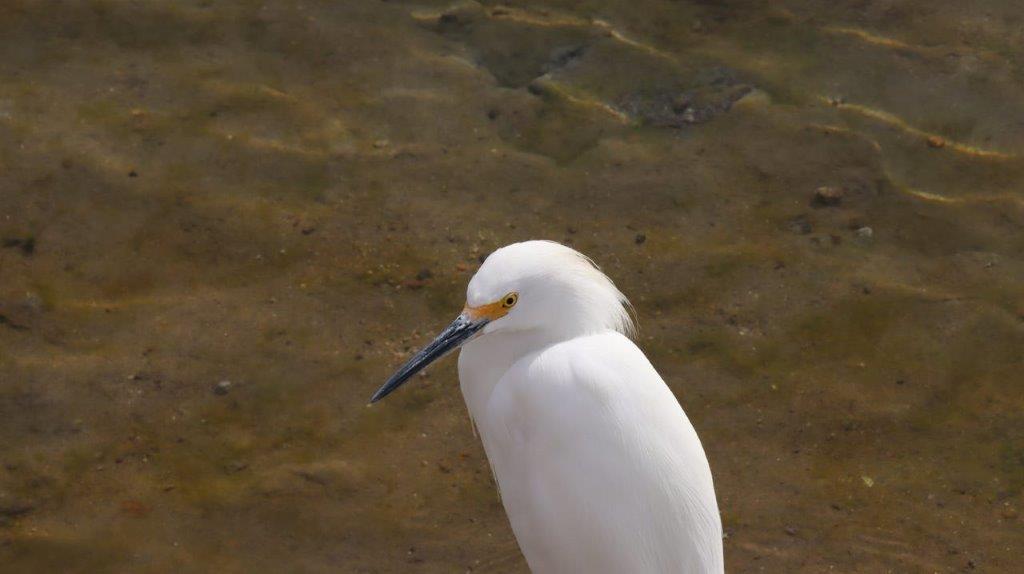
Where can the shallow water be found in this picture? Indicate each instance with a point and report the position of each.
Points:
(816, 208)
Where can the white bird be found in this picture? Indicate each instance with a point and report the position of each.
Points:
(598, 467)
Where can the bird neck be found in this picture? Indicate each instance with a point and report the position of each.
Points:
(485, 360)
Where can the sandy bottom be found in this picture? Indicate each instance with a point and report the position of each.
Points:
(223, 224)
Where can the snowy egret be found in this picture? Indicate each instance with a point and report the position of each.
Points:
(597, 465)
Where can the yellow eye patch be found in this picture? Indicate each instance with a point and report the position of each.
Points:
(492, 311)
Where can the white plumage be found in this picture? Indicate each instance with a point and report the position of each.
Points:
(599, 469)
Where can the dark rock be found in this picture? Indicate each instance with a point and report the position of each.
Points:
(222, 388)
(562, 57)
(640, 238)
(14, 509)
(27, 245)
(711, 93)
(514, 52)
(5, 321)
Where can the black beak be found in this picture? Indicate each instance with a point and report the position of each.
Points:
(461, 330)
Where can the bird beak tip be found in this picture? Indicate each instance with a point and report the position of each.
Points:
(460, 331)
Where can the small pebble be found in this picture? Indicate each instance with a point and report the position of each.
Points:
(827, 196)
(865, 232)
(936, 142)
(235, 466)
(800, 225)
(222, 388)
(640, 238)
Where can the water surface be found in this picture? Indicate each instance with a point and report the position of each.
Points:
(816, 208)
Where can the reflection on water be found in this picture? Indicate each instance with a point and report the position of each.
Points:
(224, 223)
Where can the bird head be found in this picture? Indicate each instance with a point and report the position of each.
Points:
(541, 287)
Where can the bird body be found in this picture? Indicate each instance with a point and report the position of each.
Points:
(599, 469)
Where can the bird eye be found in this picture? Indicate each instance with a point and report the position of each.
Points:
(510, 300)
